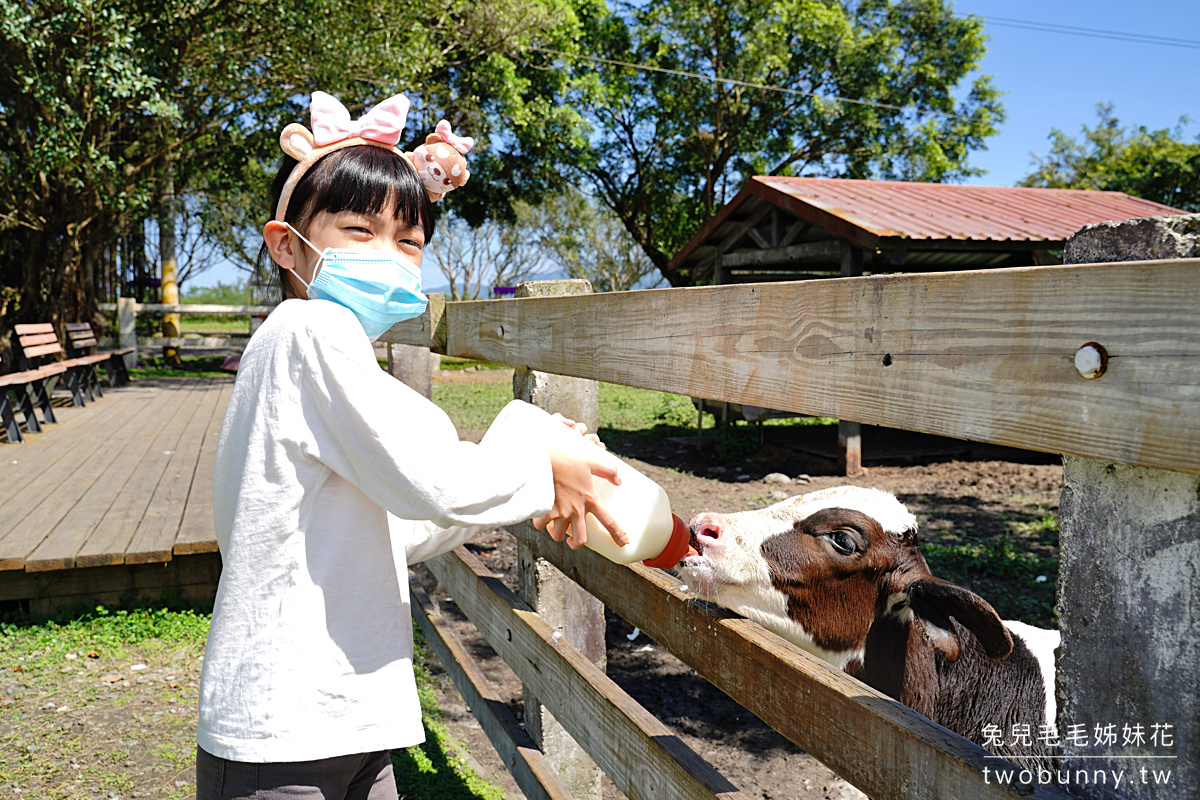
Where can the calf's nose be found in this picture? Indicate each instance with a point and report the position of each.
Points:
(706, 530)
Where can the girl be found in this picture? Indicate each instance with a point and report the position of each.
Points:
(331, 477)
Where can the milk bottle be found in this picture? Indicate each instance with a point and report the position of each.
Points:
(640, 506)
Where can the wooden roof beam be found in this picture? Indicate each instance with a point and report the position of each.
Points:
(829, 248)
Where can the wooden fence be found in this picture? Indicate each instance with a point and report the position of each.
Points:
(127, 310)
(988, 356)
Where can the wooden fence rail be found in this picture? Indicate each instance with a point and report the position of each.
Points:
(127, 310)
(516, 749)
(986, 356)
(879, 745)
(208, 310)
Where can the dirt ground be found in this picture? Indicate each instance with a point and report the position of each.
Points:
(99, 724)
(956, 489)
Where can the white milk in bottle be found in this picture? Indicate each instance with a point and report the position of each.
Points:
(639, 505)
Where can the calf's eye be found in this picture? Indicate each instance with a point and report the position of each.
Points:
(842, 542)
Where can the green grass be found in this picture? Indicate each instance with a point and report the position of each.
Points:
(624, 411)
(36, 647)
(432, 769)
(1005, 570)
(472, 406)
(58, 663)
(190, 367)
(35, 654)
(223, 294)
(214, 326)
(453, 362)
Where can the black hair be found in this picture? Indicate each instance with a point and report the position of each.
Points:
(362, 179)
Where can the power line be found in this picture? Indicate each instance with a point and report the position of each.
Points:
(737, 82)
(1093, 33)
(1164, 5)
(1021, 24)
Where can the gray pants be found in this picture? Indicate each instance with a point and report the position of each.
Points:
(358, 777)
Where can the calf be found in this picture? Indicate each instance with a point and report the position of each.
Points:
(838, 573)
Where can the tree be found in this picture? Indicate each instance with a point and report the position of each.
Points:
(195, 253)
(1154, 165)
(495, 253)
(862, 88)
(74, 94)
(108, 107)
(584, 238)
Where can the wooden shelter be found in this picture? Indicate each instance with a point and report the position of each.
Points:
(787, 229)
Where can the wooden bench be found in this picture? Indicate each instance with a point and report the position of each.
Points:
(80, 339)
(40, 347)
(30, 389)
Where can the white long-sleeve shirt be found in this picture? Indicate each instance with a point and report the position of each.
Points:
(331, 477)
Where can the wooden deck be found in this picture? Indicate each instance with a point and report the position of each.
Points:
(114, 502)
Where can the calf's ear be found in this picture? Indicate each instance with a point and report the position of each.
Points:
(934, 601)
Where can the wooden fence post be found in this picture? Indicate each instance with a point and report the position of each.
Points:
(1129, 583)
(850, 433)
(127, 328)
(561, 602)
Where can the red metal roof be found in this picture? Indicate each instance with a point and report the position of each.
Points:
(865, 211)
(948, 211)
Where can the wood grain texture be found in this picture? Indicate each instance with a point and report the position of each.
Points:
(78, 506)
(197, 533)
(155, 537)
(195, 576)
(20, 470)
(48, 493)
(108, 542)
(427, 330)
(882, 747)
(782, 255)
(517, 750)
(641, 755)
(986, 356)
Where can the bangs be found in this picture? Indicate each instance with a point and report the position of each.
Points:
(363, 180)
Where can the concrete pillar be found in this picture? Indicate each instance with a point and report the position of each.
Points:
(410, 365)
(127, 328)
(1129, 589)
(560, 601)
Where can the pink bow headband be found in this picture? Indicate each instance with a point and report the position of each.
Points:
(382, 126)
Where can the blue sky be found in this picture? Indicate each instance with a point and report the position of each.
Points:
(1055, 80)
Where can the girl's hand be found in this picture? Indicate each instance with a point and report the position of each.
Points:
(581, 429)
(575, 498)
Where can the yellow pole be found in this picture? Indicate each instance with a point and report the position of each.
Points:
(170, 272)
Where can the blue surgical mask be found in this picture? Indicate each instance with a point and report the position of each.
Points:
(381, 287)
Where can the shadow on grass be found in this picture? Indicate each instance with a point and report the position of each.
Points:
(429, 771)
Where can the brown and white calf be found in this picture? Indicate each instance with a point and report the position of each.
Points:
(838, 573)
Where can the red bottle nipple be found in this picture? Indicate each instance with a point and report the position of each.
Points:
(677, 547)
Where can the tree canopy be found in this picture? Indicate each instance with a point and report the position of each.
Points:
(856, 88)
(109, 106)
(1154, 165)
